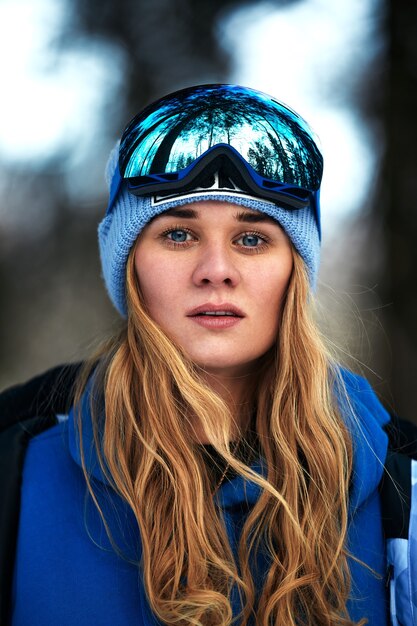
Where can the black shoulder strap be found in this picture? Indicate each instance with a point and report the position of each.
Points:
(25, 411)
(402, 436)
(395, 490)
(395, 487)
(48, 394)
(13, 444)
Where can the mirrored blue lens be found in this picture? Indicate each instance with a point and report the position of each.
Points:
(171, 134)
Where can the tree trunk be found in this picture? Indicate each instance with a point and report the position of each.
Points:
(399, 197)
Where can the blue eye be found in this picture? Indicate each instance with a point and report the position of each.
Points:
(179, 236)
(251, 241)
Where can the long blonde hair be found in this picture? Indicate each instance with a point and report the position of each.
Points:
(299, 522)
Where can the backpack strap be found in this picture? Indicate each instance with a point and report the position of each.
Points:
(25, 411)
(395, 486)
(13, 445)
(48, 394)
(402, 436)
(395, 491)
(398, 490)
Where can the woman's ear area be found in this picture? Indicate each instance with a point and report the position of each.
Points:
(134, 252)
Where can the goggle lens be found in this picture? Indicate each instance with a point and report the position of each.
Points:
(171, 134)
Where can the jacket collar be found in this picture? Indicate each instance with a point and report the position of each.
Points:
(370, 444)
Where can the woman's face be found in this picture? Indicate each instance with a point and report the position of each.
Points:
(213, 276)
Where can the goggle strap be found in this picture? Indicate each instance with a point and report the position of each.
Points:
(115, 185)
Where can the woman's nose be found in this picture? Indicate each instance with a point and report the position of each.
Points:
(216, 265)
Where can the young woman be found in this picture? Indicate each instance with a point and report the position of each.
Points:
(217, 466)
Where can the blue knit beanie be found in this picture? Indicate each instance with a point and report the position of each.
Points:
(120, 228)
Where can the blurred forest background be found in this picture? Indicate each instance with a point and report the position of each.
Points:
(125, 53)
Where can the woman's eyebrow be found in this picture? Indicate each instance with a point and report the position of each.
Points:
(180, 212)
(253, 218)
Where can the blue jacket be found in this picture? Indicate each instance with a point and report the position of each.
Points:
(67, 572)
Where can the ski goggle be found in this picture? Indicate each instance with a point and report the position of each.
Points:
(174, 140)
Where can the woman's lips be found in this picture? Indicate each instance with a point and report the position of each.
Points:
(216, 321)
(216, 316)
